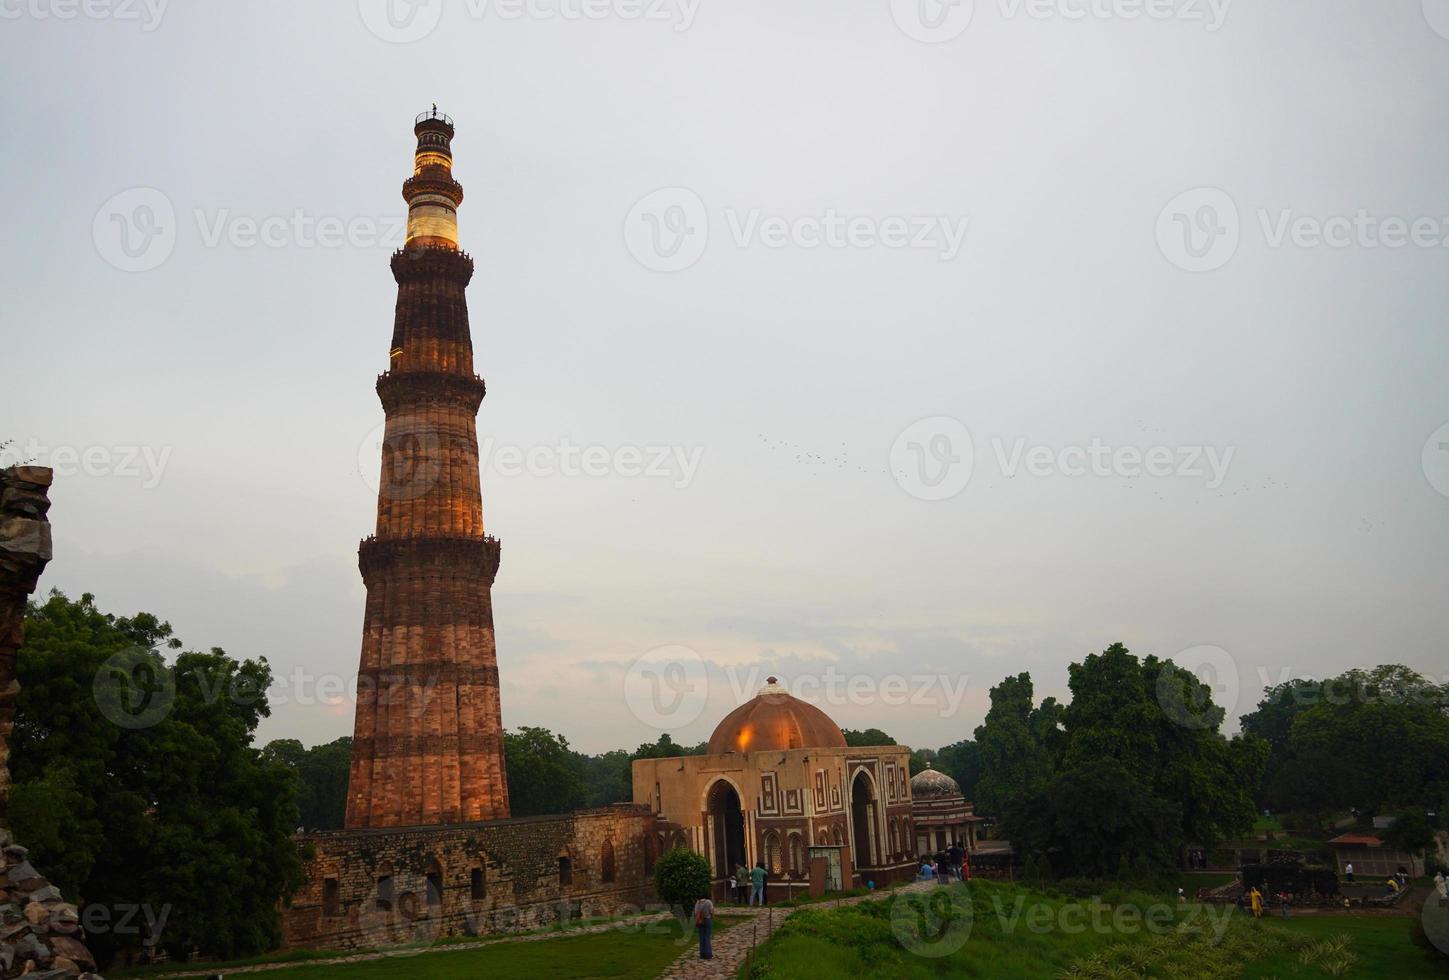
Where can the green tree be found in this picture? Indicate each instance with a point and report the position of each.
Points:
(1132, 770)
(1375, 740)
(322, 774)
(608, 778)
(1272, 722)
(666, 748)
(871, 736)
(682, 878)
(962, 762)
(137, 783)
(1018, 747)
(544, 775)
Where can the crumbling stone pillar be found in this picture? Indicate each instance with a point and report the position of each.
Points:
(40, 933)
(24, 553)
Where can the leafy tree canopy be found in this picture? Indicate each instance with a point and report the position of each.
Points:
(870, 736)
(136, 782)
(1130, 772)
(1374, 740)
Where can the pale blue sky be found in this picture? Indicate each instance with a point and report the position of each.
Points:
(250, 369)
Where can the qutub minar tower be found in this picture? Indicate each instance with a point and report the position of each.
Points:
(428, 742)
(429, 848)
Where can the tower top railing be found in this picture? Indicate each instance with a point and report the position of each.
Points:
(431, 114)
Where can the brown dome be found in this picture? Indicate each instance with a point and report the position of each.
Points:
(774, 720)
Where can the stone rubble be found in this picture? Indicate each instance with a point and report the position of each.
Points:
(39, 931)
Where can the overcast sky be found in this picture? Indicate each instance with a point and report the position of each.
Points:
(837, 260)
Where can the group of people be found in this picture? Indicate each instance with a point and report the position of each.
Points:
(750, 884)
(1196, 860)
(1253, 902)
(1397, 881)
(950, 864)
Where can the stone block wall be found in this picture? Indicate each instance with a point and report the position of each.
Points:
(379, 887)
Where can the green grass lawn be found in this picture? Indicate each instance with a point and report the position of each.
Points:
(1384, 946)
(1017, 934)
(1264, 824)
(638, 951)
(637, 954)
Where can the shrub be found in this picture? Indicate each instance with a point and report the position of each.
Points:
(682, 877)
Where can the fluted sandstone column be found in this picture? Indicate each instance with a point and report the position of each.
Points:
(428, 742)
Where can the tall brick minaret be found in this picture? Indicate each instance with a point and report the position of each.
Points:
(428, 743)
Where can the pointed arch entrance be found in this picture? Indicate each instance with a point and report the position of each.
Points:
(726, 826)
(865, 849)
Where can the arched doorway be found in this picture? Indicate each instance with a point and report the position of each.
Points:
(862, 817)
(726, 828)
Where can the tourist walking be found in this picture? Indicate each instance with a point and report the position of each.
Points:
(742, 885)
(1348, 872)
(957, 854)
(1283, 901)
(1255, 899)
(704, 925)
(757, 879)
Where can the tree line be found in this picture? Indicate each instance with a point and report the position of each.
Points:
(136, 784)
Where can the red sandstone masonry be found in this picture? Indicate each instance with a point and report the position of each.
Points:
(428, 736)
(519, 862)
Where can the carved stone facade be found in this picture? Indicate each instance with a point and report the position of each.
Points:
(40, 932)
(379, 887)
(943, 816)
(778, 781)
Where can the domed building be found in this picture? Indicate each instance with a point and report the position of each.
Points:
(941, 814)
(780, 785)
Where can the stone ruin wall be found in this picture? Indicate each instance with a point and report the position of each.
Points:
(40, 933)
(340, 907)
